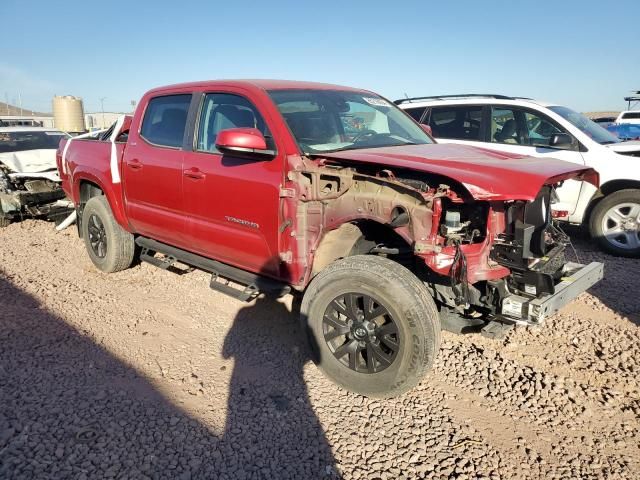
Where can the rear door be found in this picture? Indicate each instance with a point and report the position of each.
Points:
(232, 202)
(152, 170)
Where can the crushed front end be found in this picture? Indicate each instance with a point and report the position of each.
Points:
(512, 268)
(534, 249)
(33, 195)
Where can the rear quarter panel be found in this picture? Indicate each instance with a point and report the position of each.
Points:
(89, 160)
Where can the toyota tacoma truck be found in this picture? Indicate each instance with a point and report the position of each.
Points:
(337, 196)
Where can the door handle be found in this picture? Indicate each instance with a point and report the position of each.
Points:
(134, 164)
(194, 173)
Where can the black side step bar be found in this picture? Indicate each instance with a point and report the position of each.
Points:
(221, 273)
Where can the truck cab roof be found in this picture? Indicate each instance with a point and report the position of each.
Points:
(262, 84)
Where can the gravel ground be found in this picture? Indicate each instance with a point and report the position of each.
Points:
(146, 374)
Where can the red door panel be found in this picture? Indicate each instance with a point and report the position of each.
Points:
(152, 169)
(232, 202)
(233, 209)
(152, 178)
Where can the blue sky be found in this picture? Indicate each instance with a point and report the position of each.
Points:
(583, 54)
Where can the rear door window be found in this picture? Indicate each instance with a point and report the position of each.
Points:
(165, 120)
(462, 122)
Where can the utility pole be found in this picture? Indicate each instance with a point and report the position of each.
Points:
(6, 101)
(20, 102)
(102, 106)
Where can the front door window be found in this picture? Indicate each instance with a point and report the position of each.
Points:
(222, 111)
(516, 126)
(505, 128)
(539, 130)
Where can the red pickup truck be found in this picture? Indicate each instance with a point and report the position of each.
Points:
(333, 194)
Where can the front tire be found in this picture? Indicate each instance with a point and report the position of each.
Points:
(373, 328)
(615, 223)
(110, 247)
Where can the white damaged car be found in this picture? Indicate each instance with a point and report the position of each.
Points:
(29, 181)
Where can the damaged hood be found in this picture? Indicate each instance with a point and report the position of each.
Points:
(486, 174)
(29, 161)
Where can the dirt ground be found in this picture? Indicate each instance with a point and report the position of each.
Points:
(147, 374)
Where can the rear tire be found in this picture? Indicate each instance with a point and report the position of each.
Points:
(373, 328)
(615, 223)
(110, 247)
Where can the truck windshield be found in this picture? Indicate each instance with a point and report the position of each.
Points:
(29, 140)
(335, 120)
(588, 127)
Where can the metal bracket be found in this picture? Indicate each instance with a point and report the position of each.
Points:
(164, 263)
(247, 294)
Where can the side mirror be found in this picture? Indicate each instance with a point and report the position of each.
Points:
(427, 129)
(561, 140)
(246, 141)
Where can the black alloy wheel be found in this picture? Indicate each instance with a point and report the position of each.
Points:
(97, 236)
(361, 333)
(373, 327)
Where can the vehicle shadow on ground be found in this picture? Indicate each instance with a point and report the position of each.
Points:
(620, 288)
(71, 409)
(270, 421)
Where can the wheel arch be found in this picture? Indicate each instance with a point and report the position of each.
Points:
(354, 238)
(612, 186)
(606, 189)
(89, 186)
(87, 190)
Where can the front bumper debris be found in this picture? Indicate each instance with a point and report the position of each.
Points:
(47, 204)
(576, 278)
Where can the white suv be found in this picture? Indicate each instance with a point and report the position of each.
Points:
(629, 116)
(528, 127)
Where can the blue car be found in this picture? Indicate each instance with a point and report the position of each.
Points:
(625, 131)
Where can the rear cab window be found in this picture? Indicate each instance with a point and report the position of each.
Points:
(165, 120)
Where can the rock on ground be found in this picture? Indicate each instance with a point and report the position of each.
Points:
(145, 374)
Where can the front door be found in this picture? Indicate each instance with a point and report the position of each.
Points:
(526, 132)
(232, 202)
(152, 170)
